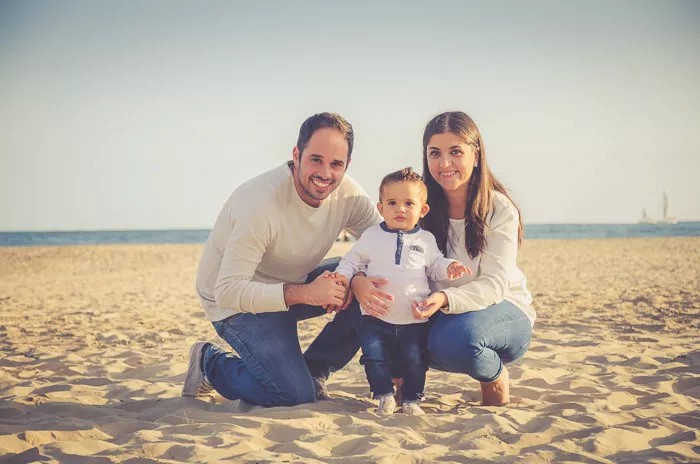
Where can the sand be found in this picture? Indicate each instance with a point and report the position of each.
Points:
(94, 349)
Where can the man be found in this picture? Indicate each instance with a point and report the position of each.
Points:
(255, 278)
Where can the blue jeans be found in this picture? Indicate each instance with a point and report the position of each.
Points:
(394, 350)
(271, 370)
(478, 343)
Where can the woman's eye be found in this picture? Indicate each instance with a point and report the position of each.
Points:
(434, 154)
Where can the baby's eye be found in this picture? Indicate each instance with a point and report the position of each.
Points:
(391, 203)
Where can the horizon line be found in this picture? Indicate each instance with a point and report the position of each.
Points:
(198, 229)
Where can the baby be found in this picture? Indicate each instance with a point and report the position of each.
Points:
(404, 254)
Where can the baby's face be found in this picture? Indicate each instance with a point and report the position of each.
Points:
(402, 205)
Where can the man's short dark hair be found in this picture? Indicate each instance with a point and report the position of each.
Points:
(325, 121)
(404, 175)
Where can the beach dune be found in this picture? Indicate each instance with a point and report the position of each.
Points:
(95, 339)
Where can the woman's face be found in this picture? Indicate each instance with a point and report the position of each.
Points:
(451, 161)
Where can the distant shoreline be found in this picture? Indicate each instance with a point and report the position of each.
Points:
(198, 236)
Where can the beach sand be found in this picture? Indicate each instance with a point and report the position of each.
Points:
(95, 339)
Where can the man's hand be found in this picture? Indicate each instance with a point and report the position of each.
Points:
(456, 270)
(322, 291)
(340, 280)
(426, 308)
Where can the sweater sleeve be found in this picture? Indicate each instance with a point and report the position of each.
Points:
(499, 255)
(235, 289)
(354, 260)
(437, 263)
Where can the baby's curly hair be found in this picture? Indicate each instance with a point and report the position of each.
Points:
(404, 175)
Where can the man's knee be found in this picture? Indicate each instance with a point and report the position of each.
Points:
(293, 389)
(296, 396)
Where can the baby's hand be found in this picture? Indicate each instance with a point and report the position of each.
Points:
(456, 270)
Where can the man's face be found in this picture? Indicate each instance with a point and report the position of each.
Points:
(402, 205)
(322, 165)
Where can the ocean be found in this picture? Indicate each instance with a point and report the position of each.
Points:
(534, 231)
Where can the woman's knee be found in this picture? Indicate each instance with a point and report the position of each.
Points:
(445, 341)
(461, 348)
(514, 355)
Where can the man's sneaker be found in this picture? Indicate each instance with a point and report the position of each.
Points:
(195, 383)
(321, 390)
(387, 404)
(412, 408)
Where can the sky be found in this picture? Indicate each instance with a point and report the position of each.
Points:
(147, 115)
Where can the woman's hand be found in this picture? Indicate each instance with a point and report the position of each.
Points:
(367, 291)
(426, 308)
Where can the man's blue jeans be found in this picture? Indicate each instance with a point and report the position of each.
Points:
(394, 350)
(478, 343)
(271, 370)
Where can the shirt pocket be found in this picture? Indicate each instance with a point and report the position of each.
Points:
(415, 258)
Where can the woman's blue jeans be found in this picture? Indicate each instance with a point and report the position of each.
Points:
(271, 370)
(478, 343)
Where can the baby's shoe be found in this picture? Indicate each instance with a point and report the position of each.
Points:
(387, 404)
(412, 408)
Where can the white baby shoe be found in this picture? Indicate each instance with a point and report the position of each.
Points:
(412, 408)
(387, 404)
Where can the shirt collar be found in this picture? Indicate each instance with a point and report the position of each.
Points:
(386, 228)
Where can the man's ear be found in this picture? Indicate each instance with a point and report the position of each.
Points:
(424, 210)
(296, 155)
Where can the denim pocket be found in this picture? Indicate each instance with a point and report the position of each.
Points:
(220, 326)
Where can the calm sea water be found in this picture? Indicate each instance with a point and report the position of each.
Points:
(545, 231)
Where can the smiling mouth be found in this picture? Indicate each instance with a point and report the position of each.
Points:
(321, 183)
(448, 174)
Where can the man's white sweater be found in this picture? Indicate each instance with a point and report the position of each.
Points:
(266, 236)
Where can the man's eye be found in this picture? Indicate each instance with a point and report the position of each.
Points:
(337, 164)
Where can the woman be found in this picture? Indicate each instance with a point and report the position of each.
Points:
(484, 320)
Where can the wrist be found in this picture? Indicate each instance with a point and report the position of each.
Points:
(357, 274)
(294, 294)
(445, 306)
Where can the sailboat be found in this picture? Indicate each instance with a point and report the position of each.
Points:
(666, 219)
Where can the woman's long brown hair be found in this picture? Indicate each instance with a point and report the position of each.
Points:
(479, 191)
